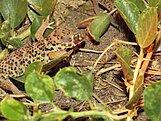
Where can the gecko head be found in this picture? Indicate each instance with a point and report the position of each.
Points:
(74, 42)
(65, 37)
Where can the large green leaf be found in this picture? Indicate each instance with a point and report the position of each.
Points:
(139, 3)
(124, 55)
(147, 23)
(74, 84)
(13, 109)
(35, 66)
(129, 12)
(40, 87)
(153, 3)
(43, 7)
(32, 14)
(3, 53)
(152, 98)
(5, 36)
(5, 27)
(16, 42)
(5, 32)
(37, 22)
(99, 25)
(159, 7)
(15, 10)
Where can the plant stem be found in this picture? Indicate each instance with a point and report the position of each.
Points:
(24, 34)
(111, 12)
(87, 113)
(136, 72)
(94, 66)
(132, 88)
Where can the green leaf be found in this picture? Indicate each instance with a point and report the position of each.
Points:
(99, 25)
(43, 7)
(5, 32)
(139, 3)
(16, 42)
(20, 78)
(40, 87)
(5, 26)
(35, 66)
(3, 53)
(152, 98)
(32, 14)
(15, 10)
(153, 3)
(36, 24)
(159, 7)
(74, 84)
(147, 23)
(125, 55)
(129, 12)
(90, 77)
(13, 109)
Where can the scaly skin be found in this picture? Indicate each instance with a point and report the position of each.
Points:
(15, 63)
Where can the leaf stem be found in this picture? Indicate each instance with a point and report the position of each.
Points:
(136, 72)
(88, 113)
(132, 88)
(111, 12)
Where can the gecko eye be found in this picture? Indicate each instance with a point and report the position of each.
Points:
(77, 39)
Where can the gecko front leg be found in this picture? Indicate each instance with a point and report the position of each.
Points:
(45, 25)
(8, 85)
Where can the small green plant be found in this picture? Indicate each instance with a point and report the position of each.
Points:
(41, 89)
(38, 86)
(142, 19)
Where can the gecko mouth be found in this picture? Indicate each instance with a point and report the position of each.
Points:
(78, 39)
(79, 42)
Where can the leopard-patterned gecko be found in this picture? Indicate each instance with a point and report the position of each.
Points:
(15, 63)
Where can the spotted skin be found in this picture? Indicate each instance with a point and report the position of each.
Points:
(15, 63)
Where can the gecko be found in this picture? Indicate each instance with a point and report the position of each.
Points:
(14, 64)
